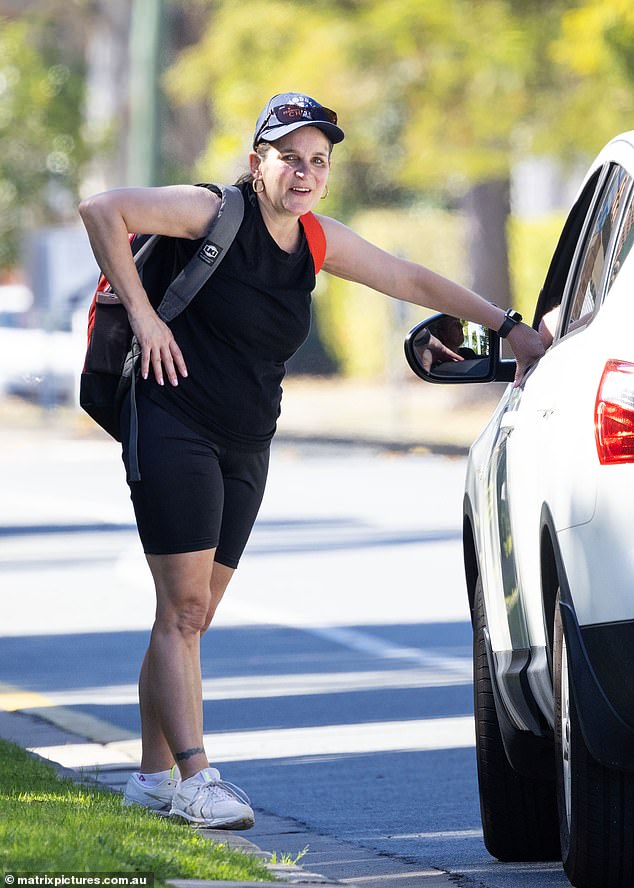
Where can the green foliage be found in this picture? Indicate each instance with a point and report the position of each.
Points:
(48, 824)
(590, 96)
(447, 66)
(289, 859)
(363, 329)
(532, 243)
(41, 146)
(267, 47)
(434, 96)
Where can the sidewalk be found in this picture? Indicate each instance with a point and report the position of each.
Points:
(343, 863)
(404, 414)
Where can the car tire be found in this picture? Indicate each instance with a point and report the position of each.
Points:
(519, 814)
(596, 804)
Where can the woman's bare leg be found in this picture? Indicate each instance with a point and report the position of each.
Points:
(218, 586)
(189, 588)
(156, 754)
(172, 675)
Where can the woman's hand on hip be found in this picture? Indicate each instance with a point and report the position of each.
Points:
(159, 349)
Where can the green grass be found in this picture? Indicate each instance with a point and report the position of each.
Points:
(289, 859)
(50, 824)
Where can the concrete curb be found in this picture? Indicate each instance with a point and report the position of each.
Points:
(375, 443)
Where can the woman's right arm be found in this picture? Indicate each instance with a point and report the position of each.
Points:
(177, 211)
(352, 258)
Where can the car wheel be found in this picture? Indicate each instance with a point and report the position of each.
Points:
(519, 814)
(596, 804)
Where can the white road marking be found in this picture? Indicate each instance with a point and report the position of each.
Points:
(354, 639)
(441, 834)
(84, 755)
(415, 735)
(251, 687)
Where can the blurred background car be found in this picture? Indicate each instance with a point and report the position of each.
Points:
(39, 360)
(43, 317)
(549, 553)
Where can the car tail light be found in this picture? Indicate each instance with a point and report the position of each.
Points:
(614, 414)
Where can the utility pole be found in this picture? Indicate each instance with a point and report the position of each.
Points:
(145, 96)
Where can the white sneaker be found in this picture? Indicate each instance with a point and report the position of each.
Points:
(207, 801)
(154, 794)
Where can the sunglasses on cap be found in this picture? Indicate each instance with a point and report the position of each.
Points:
(289, 113)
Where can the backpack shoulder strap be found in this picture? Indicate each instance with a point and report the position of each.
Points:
(208, 257)
(315, 237)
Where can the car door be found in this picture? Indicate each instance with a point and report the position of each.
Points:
(551, 459)
(535, 448)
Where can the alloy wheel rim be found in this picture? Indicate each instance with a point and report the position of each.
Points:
(565, 730)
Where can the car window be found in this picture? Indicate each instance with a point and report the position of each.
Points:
(624, 243)
(586, 291)
(559, 269)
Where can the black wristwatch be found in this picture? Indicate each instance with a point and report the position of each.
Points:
(511, 319)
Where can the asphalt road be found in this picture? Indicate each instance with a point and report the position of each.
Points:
(337, 679)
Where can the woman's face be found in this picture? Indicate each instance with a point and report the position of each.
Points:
(294, 171)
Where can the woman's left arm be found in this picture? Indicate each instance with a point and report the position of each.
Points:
(351, 257)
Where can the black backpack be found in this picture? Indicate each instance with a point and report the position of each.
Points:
(113, 353)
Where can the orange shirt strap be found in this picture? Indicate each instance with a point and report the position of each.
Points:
(315, 237)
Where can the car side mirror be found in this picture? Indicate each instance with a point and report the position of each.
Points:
(478, 347)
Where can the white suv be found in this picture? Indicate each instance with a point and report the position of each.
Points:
(549, 553)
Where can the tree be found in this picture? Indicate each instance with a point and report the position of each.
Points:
(593, 58)
(431, 94)
(252, 50)
(42, 150)
(437, 97)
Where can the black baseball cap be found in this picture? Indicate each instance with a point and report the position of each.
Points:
(288, 111)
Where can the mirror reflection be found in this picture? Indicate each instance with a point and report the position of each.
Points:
(456, 335)
(467, 342)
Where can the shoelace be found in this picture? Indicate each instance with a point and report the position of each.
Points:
(225, 790)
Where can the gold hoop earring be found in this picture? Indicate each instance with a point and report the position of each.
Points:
(325, 194)
(258, 190)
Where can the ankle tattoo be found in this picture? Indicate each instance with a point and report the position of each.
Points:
(188, 753)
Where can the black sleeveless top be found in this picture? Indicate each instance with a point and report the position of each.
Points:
(237, 333)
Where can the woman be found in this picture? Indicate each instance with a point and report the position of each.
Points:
(209, 396)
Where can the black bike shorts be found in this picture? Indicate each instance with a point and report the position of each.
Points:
(193, 494)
